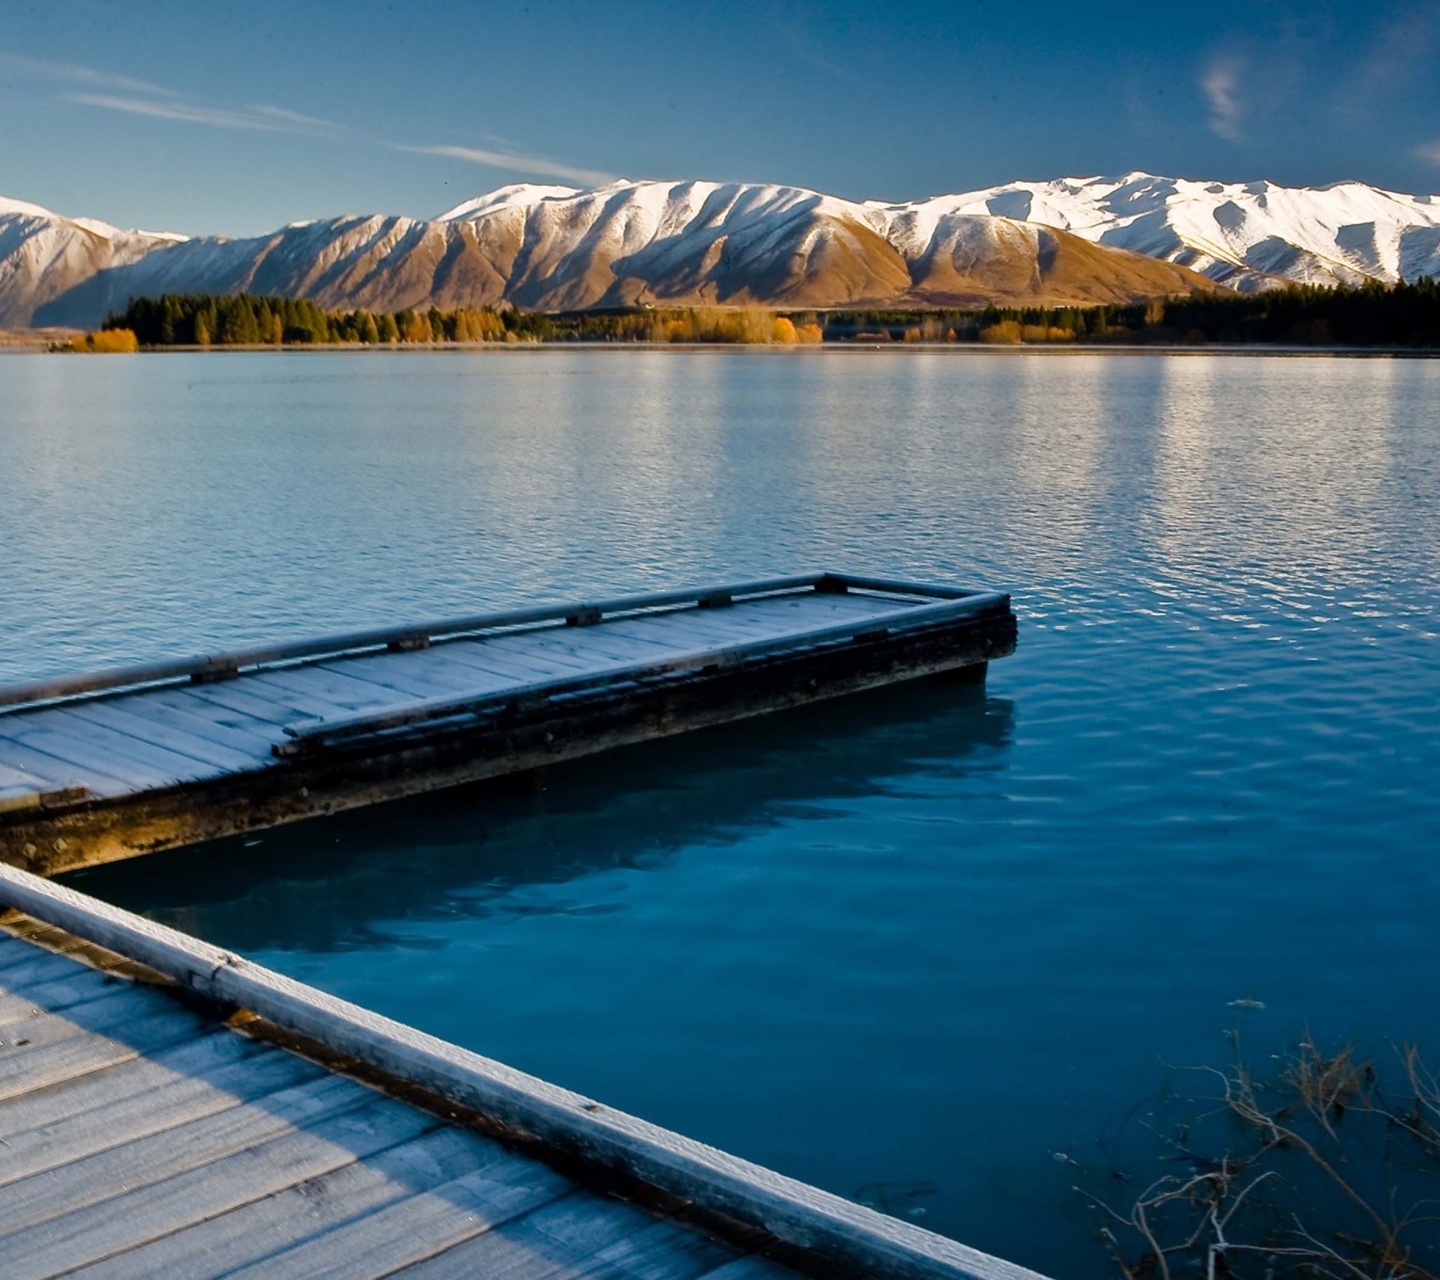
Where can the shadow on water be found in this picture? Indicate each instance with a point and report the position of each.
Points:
(322, 885)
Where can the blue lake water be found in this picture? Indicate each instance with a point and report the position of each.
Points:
(908, 946)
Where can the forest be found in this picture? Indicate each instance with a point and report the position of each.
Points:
(1403, 316)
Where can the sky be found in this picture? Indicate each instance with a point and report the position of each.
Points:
(237, 118)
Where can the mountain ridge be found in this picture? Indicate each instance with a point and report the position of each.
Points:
(1064, 241)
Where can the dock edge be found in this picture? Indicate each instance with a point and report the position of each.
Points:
(843, 1234)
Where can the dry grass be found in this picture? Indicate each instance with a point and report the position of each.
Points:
(1310, 1171)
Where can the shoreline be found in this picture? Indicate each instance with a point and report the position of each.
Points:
(12, 344)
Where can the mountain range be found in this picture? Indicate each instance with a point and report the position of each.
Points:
(1071, 241)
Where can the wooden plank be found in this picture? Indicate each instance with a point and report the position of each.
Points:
(658, 1250)
(260, 685)
(681, 634)
(312, 681)
(418, 1227)
(61, 1192)
(29, 802)
(422, 670)
(57, 996)
(658, 633)
(834, 1228)
(190, 703)
(44, 1068)
(165, 761)
(315, 680)
(35, 965)
(600, 649)
(530, 647)
(511, 665)
(404, 673)
(555, 1240)
(150, 729)
(207, 664)
(343, 728)
(194, 1058)
(137, 1116)
(52, 769)
(489, 666)
(21, 1041)
(826, 609)
(273, 706)
(87, 755)
(136, 1213)
(12, 775)
(204, 720)
(258, 1230)
(578, 659)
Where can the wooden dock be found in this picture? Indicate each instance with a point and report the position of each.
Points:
(117, 763)
(167, 1108)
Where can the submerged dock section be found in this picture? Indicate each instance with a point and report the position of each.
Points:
(167, 1108)
(117, 763)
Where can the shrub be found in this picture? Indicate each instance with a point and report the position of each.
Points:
(107, 342)
(1006, 333)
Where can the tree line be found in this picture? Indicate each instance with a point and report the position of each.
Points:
(1369, 315)
(234, 320)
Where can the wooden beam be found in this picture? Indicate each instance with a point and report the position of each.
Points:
(221, 666)
(911, 619)
(845, 1234)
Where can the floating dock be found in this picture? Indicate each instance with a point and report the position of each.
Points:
(169, 1109)
(128, 761)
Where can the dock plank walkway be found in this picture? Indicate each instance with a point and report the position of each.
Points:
(131, 740)
(140, 1137)
(169, 1108)
(113, 764)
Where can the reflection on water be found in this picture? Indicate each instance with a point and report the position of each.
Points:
(512, 847)
(908, 947)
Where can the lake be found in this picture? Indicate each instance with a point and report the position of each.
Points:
(924, 947)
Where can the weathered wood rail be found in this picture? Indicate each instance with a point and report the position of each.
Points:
(127, 761)
(167, 1107)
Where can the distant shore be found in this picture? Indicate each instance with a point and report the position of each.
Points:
(53, 343)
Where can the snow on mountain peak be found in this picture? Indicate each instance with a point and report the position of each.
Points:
(556, 247)
(1246, 235)
(516, 194)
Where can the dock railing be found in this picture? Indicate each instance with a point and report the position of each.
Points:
(335, 731)
(229, 664)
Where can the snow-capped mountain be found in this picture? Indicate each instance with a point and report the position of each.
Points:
(636, 243)
(1243, 235)
(43, 255)
(1069, 241)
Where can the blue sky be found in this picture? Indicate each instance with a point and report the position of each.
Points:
(236, 118)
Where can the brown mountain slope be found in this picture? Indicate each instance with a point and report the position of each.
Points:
(645, 243)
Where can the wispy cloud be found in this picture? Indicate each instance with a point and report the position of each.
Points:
(796, 38)
(179, 109)
(1221, 81)
(540, 165)
(74, 73)
(283, 115)
(1429, 152)
(106, 91)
